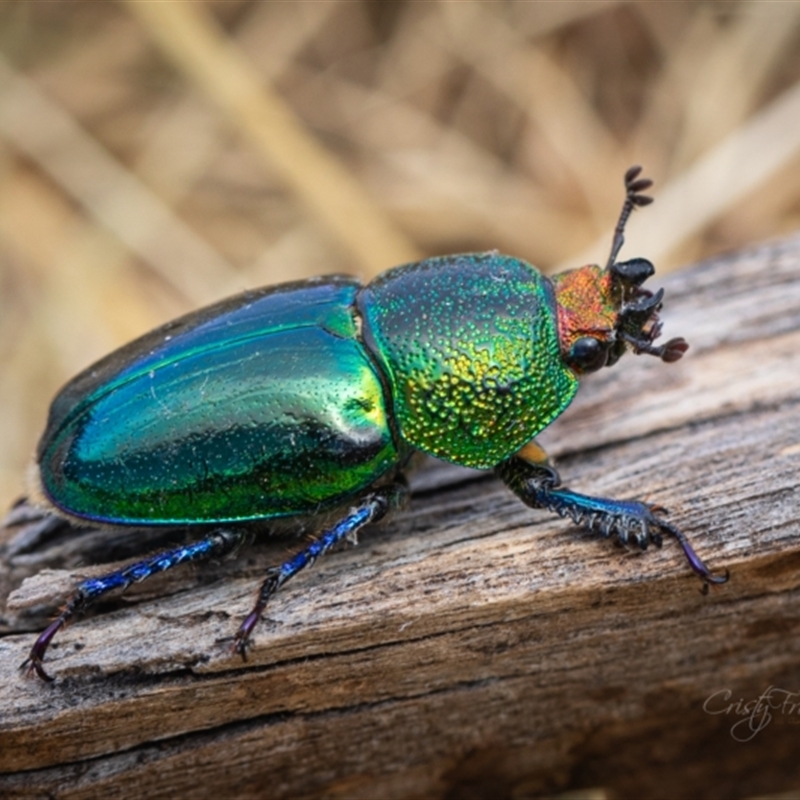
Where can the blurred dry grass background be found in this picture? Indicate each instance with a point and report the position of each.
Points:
(156, 156)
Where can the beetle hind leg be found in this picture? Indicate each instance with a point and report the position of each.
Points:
(538, 485)
(216, 544)
(372, 507)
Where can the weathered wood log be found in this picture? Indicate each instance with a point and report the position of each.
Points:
(472, 647)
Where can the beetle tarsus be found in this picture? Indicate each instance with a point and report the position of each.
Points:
(216, 544)
(373, 507)
(695, 562)
(33, 663)
(242, 639)
(624, 519)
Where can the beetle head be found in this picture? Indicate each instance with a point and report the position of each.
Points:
(604, 311)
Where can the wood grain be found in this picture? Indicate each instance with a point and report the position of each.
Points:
(470, 647)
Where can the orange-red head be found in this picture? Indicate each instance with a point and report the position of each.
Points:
(604, 311)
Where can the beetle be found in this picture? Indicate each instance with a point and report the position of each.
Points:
(311, 397)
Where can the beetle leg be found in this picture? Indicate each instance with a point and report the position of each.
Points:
(538, 485)
(216, 544)
(372, 508)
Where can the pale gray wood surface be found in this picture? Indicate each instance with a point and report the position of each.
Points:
(471, 647)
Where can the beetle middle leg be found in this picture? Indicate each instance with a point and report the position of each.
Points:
(372, 507)
(531, 477)
(218, 543)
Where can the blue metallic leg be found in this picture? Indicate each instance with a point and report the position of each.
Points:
(372, 508)
(539, 486)
(216, 544)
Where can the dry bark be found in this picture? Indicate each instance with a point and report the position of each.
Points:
(471, 647)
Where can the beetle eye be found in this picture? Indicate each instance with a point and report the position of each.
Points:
(588, 355)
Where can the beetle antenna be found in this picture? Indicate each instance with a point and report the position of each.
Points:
(632, 200)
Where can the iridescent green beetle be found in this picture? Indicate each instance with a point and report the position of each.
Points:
(313, 396)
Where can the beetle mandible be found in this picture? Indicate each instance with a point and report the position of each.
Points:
(313, 396)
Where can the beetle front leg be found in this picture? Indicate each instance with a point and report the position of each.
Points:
(538, 485)
(216, 544)
(375, 506)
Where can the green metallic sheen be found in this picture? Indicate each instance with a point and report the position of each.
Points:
(265, 405)
(470, 346)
